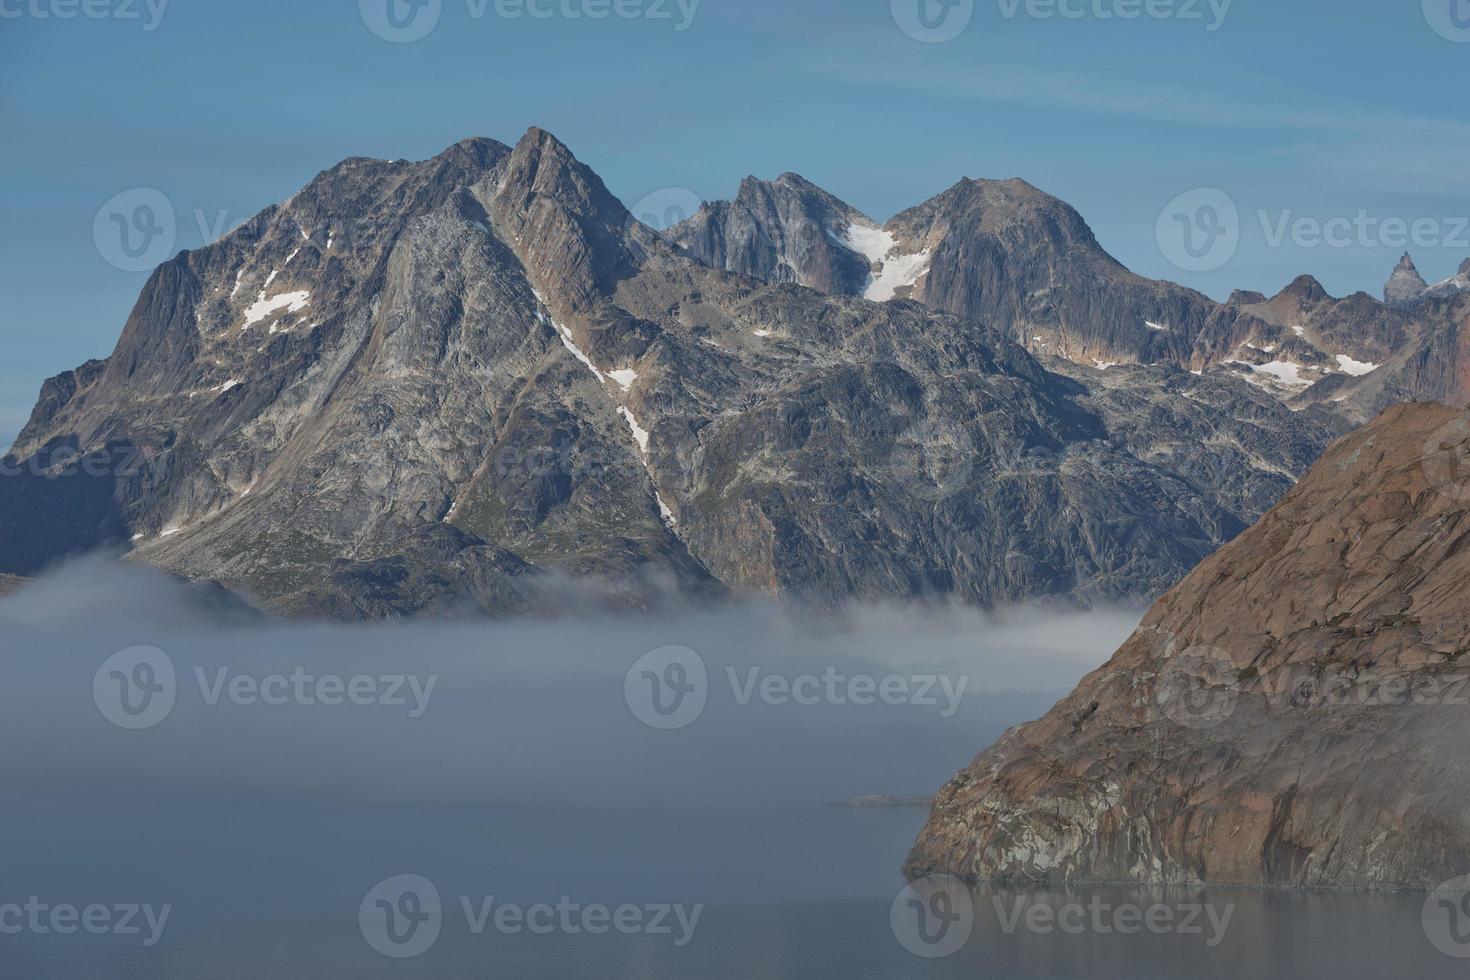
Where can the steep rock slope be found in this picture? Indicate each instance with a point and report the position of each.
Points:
(779, 231)
(1292, 713)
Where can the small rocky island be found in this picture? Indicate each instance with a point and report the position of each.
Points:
(1295, 712)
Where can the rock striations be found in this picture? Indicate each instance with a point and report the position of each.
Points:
(1293, 713)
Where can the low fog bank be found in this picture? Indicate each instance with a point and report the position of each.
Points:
(534, 758)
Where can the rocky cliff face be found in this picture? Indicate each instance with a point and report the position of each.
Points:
(1294, 712)
(783, 231)
(1027, 263)
(462, 383)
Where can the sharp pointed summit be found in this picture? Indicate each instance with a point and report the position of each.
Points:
(1406, 284)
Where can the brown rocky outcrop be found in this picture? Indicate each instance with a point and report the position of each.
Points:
(1294, 712)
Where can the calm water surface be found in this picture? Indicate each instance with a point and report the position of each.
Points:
(266, 830)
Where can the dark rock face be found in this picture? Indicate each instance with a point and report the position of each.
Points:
(782, 231)
(1405, 285)
(475, 382)
(1291, 713)
(1011, 256)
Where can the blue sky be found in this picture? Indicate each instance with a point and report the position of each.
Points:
(1315, 109)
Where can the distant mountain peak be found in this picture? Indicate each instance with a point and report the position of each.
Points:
(1406, 284)
(1246, 297)
(1306, 287)
(785, 230)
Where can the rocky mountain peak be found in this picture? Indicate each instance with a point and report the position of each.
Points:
(1405, 284)
(795, 181)
(1465, 268)
(1246, 297)
(1306, 289)
(542, 165)
(786, 230)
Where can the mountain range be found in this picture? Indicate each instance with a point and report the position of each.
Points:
(1292, 713)
(1026, 264)
(477, 383)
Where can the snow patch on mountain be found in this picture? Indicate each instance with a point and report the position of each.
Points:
(1357, 369)
(895, 272)
(640, 434)
(293, 302)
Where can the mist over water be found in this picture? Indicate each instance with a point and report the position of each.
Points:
(518, 763)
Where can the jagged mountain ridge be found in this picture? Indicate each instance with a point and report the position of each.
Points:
(1024, 262)
(997, 251)
(1290, 714)
(413, 388)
